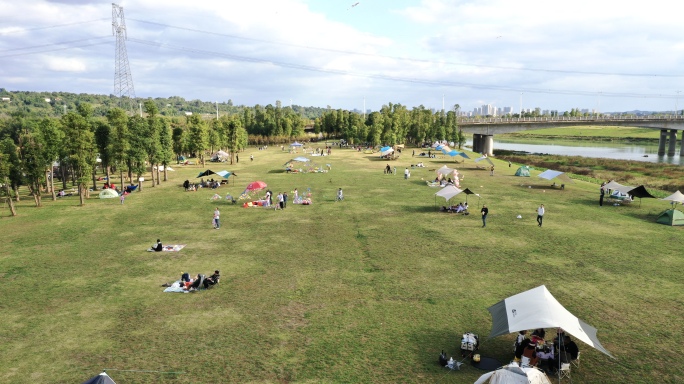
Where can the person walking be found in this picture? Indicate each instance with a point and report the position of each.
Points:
(406, 173)
(340, 195)
(485, 212)
(122, 198)
(217, 222)
(284, 199)
(237, 158)
(251, 157)
(540, 214)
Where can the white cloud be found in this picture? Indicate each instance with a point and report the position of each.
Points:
(65, 65)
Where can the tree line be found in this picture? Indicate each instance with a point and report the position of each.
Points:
(35, 150)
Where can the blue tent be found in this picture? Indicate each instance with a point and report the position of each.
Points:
(296, 144)
(383, 149)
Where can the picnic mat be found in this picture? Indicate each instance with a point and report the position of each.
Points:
(487, 364)
(176, 287)
(173, 247)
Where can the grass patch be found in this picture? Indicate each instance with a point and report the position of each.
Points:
(370, 289)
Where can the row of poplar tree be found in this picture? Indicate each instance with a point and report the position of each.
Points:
(132, 146)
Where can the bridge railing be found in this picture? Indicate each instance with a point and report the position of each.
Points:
(546, 119)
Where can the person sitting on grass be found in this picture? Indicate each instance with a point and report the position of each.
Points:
(157, 247)
(212, 280)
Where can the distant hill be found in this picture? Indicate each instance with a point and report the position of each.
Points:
(53, 104)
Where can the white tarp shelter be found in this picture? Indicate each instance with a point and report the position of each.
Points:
(445, 171)
(617, 187)
(550, 174)
(513, 374)
(387, 152)
(448, 192)
(484, 158)
(537, 308)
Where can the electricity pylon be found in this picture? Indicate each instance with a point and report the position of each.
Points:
(123, 81)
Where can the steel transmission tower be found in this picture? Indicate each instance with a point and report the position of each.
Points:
(123, 81)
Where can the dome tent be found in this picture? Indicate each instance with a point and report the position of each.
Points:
(671, 217)
(108, 194)
(523, 171)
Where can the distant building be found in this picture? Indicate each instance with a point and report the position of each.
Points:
(6, 99)
(188, 113)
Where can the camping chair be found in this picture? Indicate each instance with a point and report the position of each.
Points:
(576, 362)
(564, 371)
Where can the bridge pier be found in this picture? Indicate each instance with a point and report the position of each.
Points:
(673, 143)
(661, 143)
(681, 147)
(483, 144)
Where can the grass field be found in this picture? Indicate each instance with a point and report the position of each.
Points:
(368, 290)
(592, 132)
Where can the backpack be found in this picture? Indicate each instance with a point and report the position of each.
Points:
(443, 361)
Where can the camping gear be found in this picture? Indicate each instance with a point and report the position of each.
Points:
(537, 308)
(677, 197)
(443, 359)
(296, 144)
(523, 171)
(447, 192)
(219, 156)
(513, 374)
(108, 194)
(671, 217)
(470, 343)
(102, 378)
(550, 174)
(484, 158)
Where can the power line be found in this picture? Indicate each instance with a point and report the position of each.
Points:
(54, 50)
(54, 44)
(594, 73)
(396, 78)
(51, 26)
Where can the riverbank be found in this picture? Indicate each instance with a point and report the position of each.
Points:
(661, 179)
(591, 133)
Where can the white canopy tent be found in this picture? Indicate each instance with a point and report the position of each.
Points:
(537, 308)
(677, 197)
(513, 374)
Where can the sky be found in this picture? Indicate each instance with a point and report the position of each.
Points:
(607, 55)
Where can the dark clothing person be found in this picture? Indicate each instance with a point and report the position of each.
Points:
(213, 279)
(485, 212)
(158, 247)
(603, 192)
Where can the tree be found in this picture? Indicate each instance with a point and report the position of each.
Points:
(166, 147)
(52, 138)
(152, 143)
(119, 144)
(137, 151)
(197, 136)
(7, 148)
(80, 149)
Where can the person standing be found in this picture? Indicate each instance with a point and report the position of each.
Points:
(485, 212)
(284, 199)
(251, 157)
(237, 158)
(281, 201)
(406, 173)
(122, 197)
(491, 171)
(340, 195)
(540, 214)
(217, 222)
(603, 192)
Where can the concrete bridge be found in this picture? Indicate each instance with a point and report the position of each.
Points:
(483, 129)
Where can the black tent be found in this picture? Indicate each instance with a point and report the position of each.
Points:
(102, 378)
(640, 192)
(206, 173)
(469, 192)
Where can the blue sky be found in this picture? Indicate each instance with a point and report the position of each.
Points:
(605, 55)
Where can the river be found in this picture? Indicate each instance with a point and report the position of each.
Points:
(596, 149)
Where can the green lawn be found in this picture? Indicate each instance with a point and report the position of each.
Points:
(594, 131)
(368, 290)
